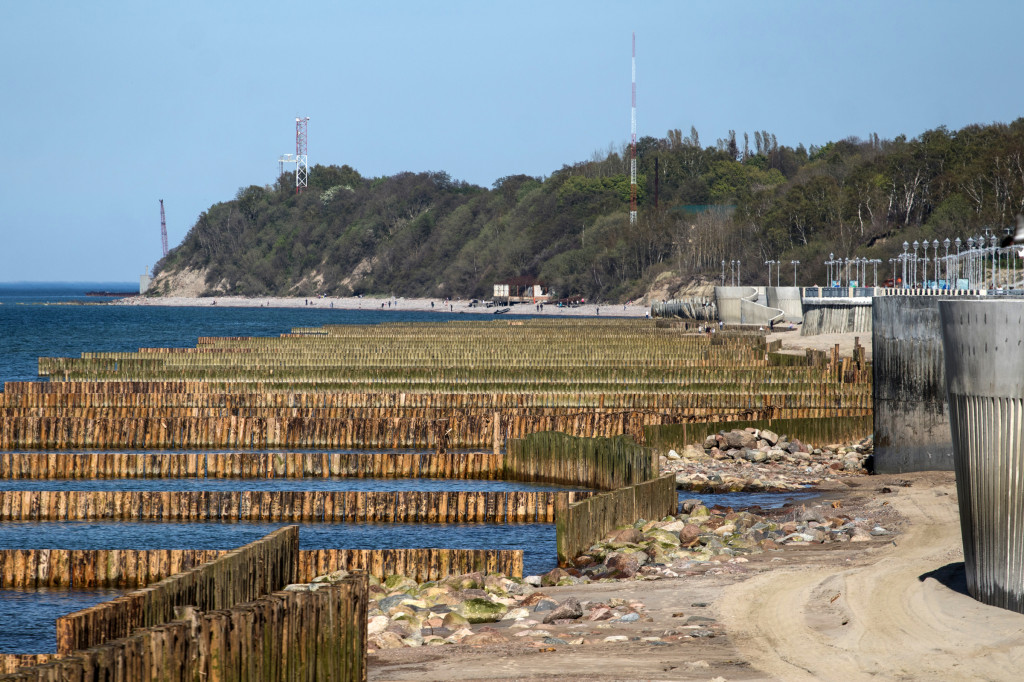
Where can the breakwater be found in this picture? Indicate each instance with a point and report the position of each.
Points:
(79, 569)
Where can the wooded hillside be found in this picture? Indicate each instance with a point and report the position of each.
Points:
(425, 234)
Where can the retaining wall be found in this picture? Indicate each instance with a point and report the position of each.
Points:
(835, 316)
(788, 300)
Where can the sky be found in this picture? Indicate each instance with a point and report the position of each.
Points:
(107, 107)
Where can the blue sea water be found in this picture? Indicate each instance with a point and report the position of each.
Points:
(59, 320)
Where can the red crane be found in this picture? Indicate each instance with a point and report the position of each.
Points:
(163, 228)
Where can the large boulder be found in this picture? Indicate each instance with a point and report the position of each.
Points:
(737, 438)
(570, 609)
(481, 610)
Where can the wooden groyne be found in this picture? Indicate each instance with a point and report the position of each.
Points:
(604, 463)
(582, 524)
(240, 575)
(285, 506)
(284, 636)
(129, 568)
(251, 465)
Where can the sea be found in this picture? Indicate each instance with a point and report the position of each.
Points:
(60, 320)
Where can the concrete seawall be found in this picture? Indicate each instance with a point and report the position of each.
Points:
(911, 414)
(836, 316)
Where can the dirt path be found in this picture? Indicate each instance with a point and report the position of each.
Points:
(902, 614)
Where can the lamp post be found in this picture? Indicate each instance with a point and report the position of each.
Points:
(924, 262)
(723, 273)
(769, 264)
(794, 263)
(945, 243)
(994, 240)
(913, 271)
(957, 269)
(905, 255)
(831, 265)
(970, 262)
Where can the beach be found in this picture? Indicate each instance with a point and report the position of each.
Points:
(438, 305)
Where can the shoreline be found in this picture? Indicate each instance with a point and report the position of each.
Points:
(428, 305)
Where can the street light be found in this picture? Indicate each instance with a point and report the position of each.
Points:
(723, 273)
(924, 261)
(794, 263)
(905, 256)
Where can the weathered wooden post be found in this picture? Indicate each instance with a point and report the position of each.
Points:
(985, 386)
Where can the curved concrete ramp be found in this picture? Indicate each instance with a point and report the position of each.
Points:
(742, 305)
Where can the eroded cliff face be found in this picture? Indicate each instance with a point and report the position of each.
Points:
(187, 282)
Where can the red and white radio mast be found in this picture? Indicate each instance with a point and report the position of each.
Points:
(163, 228)
(301, 158)
(632, 148)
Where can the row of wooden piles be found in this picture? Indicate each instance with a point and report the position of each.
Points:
(316, 506)
(222, 620)
(121, 568)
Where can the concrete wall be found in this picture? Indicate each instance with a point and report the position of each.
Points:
(744, 305)
(787, 299)
(836, 316)
(911, 415)
(727, 300)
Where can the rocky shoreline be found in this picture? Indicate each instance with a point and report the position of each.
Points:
(475, 609)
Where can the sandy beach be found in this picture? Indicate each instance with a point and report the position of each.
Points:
(436, 305)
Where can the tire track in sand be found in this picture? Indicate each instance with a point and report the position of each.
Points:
(880, 618)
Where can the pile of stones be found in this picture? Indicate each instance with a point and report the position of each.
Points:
(748, 460)
(491, 609)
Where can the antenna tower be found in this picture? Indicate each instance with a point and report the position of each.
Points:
(163, 228)
(632, 146)
(301, 158)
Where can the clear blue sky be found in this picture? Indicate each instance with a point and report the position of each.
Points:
(106, 107)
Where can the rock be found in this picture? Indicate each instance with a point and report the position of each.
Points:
(622, 565)
(481, 610)
(736, 439)
(546, 604)
(553, 576)
(629, 535)
(385, 640)
(770, 436)
(806, 515)
(534, 580)
(516, 614)
(693, 453)
(332, 578)
(454, 621)
(534, 599)
(629, 618)
(672, 454)
(377, 625)
(688, 505)
(710, 442)
(399, 583)
(663, 536)
(569, 609)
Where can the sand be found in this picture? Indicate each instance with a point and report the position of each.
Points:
(895, 608)
(435, 305)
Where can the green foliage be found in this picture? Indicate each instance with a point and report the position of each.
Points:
(418, 234)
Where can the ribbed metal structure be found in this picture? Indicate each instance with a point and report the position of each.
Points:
(984, 355)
